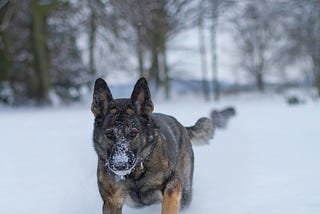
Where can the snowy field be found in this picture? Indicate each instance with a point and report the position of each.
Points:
(266, 162)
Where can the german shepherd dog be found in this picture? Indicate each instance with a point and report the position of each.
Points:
(143, 157)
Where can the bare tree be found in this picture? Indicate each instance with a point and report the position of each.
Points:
(213, 30)
(212, 10)
(97, 18)
(256, 32)
(92, 30)
(5, 17)
(39, 35)
(302, 28)
(203, 51)
(155, 22)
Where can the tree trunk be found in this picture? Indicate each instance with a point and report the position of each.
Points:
(260, 81)
(154, 73)
(317, 84)
(166, 79)
(216, 88)
(5, 56)
(92, 40)
(4, 52)
(140, 51)
(39, 37)
(203, 55)
(5, 62)
(316, 54)
(316, 71)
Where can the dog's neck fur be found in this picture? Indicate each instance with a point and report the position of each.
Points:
(139, 170)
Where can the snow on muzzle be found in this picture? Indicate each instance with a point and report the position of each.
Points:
(122, 160)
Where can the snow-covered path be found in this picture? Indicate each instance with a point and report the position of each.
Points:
(267, 161)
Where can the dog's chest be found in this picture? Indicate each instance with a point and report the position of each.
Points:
(146, 191)
(147, 179)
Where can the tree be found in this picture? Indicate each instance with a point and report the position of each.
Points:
(38, 51)
(5, 16)
(67, 70)
(92, 30)
(213, 10)
(178, 15)
(136, 14)
(5, 61)
(39, 38)
(217, 7)
(203, 51)
(302, 29)
(96, 18)
(213, 34)
(154, 23)
(17, 49)
(256, 32)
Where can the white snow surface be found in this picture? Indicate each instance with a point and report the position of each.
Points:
(266, 162)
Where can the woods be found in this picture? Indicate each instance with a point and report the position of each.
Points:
(58, 47)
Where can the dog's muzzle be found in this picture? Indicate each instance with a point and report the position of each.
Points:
(122, 160)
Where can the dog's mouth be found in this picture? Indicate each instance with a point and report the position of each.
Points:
(122, 160)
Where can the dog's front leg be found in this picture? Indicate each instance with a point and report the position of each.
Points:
(171, 197)
(113, 199)
(111, 208)
(112, 193)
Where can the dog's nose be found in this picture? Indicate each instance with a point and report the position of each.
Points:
(121, 158)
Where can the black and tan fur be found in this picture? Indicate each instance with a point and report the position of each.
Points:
(221, 118)
(143, 157)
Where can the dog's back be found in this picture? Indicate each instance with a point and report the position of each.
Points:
(173, 132)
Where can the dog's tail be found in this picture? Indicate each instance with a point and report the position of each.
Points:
(201, 132)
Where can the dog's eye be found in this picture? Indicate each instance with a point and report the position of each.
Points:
(109, 134)
(132, 134)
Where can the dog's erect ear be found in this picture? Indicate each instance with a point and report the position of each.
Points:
(141, 98)
(101, 97)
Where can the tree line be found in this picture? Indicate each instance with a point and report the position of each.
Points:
(41, 53)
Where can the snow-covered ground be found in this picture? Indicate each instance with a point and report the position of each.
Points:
(267, 161)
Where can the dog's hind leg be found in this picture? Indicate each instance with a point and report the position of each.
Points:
(171, 197)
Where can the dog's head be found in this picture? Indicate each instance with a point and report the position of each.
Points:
(123, 130)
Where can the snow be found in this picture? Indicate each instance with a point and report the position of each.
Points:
(266, 161)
